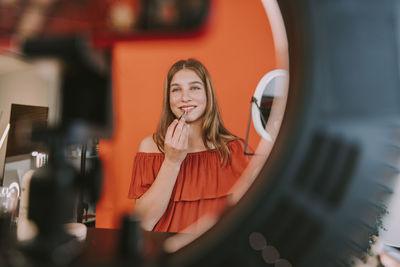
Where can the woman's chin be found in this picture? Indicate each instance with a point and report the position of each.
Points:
(189, 118)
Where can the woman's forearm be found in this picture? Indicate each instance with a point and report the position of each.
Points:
(152, 204)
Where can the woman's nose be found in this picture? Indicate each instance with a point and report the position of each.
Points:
(186, 96)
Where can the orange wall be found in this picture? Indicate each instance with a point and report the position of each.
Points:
(237, 49)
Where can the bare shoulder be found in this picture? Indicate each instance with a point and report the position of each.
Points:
(148, 145)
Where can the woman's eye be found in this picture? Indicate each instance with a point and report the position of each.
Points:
(175, 89)
(195, 88)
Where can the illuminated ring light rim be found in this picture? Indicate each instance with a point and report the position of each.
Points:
(255, 112)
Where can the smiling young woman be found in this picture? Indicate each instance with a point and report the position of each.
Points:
(187, 167)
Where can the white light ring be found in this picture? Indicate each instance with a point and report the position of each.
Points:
(255, 113)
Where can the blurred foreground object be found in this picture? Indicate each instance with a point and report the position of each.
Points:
(104, 21)
(388, 261)
(86, 113)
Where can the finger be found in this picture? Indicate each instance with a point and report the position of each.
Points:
(170, 130)
(180, 120)
(178, 131)
(184, 138)
(183, 115)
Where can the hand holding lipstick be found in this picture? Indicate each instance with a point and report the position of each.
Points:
(183, 115)
(176, 140)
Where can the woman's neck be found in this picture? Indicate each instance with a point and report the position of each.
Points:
(196, 137)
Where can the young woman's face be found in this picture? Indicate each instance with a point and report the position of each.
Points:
(187, 92)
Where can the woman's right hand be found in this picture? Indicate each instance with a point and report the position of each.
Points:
(176, 141)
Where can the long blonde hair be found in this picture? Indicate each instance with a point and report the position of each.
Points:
(213, 130)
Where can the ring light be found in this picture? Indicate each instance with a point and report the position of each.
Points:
(267, 88)
(322, 191)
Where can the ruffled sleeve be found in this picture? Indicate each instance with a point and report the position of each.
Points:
(202, 186)
(145, 169)
(202, 176)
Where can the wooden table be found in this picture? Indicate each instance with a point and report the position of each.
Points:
(102, 248)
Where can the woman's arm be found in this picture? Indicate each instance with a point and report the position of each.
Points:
(153, 203)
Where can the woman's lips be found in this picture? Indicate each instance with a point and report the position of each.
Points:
(187, 108)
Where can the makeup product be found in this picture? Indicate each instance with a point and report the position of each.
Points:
(183, 115)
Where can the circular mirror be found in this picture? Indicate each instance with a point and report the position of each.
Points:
(269, 94)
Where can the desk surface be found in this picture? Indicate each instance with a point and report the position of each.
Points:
(101, 247)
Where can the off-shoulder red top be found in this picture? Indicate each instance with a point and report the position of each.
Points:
(202, 185)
